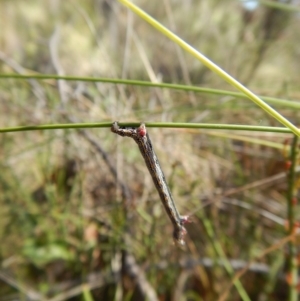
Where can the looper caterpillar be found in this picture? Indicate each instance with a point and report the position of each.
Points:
(141, 137)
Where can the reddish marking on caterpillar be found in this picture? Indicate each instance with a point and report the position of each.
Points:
(142, 130)
(294, 201)
(185, 220)
(288, 165)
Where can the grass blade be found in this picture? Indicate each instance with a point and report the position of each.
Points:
(215, 68)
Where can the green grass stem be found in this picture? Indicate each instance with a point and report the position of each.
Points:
(148, 124)
(272, 100)
(291, 195)
(212, 66)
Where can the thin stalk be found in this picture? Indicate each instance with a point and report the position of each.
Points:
(209, 64)
(234, 127)
(272, 100)
(291, 195)
(221, 255)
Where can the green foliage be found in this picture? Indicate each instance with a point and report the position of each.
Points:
(45, 254)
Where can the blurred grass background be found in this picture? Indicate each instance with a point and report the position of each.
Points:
(80, 218)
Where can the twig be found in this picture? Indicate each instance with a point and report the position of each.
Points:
(62, 86)
(130, 264)
(125, 191)
(28, 292)
(36, 87)
(95, 282)
(263, 182)
(179, 52)
(132, 269)
(262, 212)
(256, 267)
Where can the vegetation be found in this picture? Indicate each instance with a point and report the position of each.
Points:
(80, 218)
